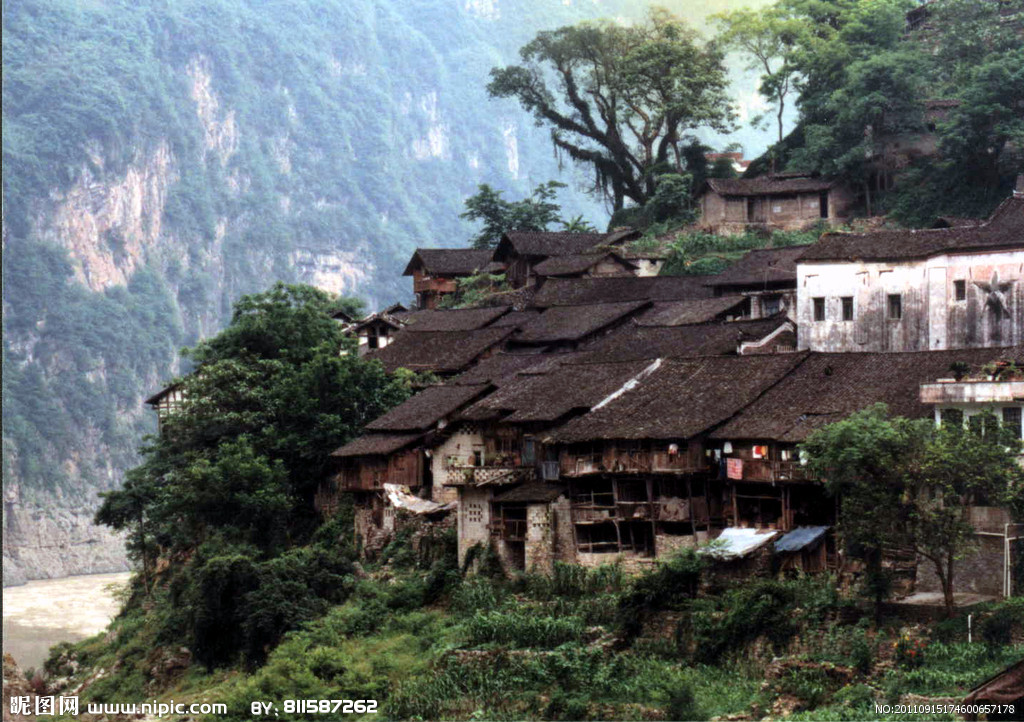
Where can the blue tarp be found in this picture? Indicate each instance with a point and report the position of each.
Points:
(800, 538)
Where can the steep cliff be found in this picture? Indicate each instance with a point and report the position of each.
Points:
(161, 159)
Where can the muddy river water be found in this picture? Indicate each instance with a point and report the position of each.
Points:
(42, 613)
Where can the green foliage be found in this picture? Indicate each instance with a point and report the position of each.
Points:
(908, 484)
(997, 628)
(863, 82)
(620, 99)
(512, 629)
(500, 216)
(668, 586)
(699, 252)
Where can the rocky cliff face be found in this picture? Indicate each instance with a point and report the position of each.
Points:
(172, 161)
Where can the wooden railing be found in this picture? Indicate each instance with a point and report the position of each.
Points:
(774, 470)
(632, 463)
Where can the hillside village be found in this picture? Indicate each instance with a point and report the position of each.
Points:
(596, 413)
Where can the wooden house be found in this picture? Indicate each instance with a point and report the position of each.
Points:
(785, 202)
(435, 271)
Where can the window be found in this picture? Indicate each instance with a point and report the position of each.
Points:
(529, 451)
(952, 417)
(895, 306)
(847, 308)
(819, 309)
(1012, 419)
(960, 290)
(823, 204)
(771, 305)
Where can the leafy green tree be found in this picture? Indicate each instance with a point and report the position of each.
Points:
(620, 99)
(499, 216)
(768, 40)
(241, 460)
(906, 486)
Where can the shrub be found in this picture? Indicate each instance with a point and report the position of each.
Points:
(997, 628)
(682, 704)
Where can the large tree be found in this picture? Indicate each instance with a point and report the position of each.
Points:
(767, 40)
(906, 486)
(621, 99)
(241, 460)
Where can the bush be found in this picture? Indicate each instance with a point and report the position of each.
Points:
(682, 704)
(997, 628)
(667, 586)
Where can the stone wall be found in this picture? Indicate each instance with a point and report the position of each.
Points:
(979, 572)
(474, 526)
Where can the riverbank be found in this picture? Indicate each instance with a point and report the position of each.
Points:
(45, 612)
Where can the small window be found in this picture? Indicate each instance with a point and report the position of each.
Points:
(847, 308)
(960, 289)
(1012, 419)
(529, 452)
(952, 417)
(895, 306)
(819, 309)
(771, 305)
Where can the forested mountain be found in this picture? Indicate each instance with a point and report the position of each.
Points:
(163, 158)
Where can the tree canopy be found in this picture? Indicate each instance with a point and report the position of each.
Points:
(620, 99)
(906, 485)
(499, 215)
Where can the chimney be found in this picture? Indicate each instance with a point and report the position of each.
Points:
(1019, 190)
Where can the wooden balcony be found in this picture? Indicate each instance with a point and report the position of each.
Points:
(440, 285)
(774, 470)
(631, 463)
(488, 475)
(362, 479)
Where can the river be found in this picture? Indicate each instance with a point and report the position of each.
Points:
(41, 613)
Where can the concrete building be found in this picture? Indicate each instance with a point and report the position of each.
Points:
(915, 290)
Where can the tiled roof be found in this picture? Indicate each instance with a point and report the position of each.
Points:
(710, 339)
(572, 323)
(438, 351)
(501, 368)
(516, 318)
(546, 397)
(828, 387)
(423, 410)
(1004, 229)
(569, 265)
(376, 444)
(766, 185)
(462, 319)
(448, 261)
(682, 313)
(762, 266)
(579, 291)
(543, 243)
(557, 243)
(681, 399)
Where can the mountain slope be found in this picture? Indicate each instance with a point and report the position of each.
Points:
(161, 159)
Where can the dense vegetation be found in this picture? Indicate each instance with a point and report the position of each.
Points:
(225, 493)
(429, 642)
(862, 80)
